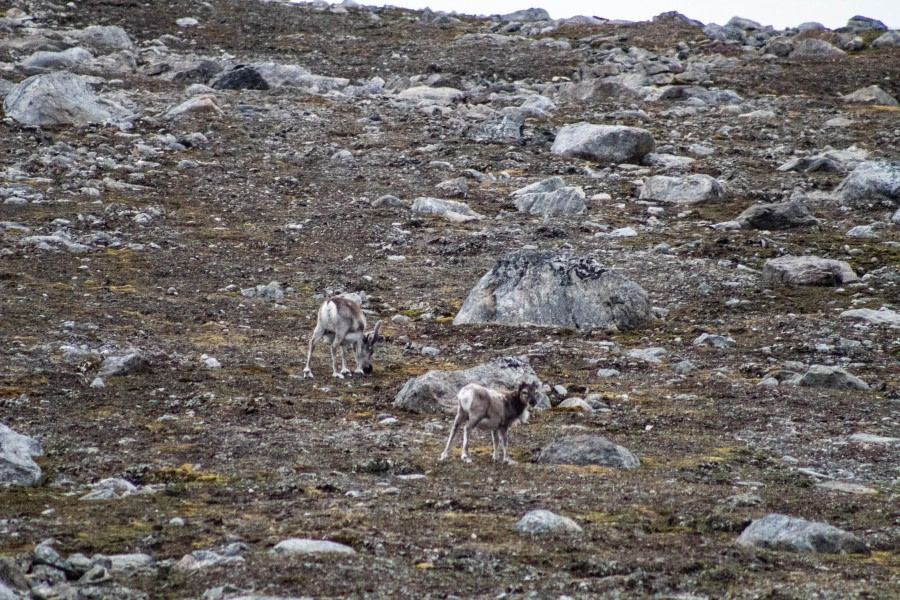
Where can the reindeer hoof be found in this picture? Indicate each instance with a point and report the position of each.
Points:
(345, 372)
(443, 456)
(358, 372)
(307, 374)
(466, 459)
(338, 375)
(510, 461)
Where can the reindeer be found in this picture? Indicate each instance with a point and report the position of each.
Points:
(342, 323)
(494, 410)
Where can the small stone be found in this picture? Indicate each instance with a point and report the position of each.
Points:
(117, 366)
(97, 383)
(430, 351)
(607, 373)
(560, 390)
(209, 362)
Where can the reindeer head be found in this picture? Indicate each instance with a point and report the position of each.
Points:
(528, 394)
(368, 347)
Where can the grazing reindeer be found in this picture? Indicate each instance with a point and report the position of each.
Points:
(494, 410)
(342, 323)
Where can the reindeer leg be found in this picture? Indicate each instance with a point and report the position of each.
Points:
(344, 370)
(494, 436)
(453, 430)
(334, 371)
(465, 445)
(316, 336)
(357, 350)
(504, 436)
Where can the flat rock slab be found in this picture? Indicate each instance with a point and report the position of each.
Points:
(603, 143)
(16, 464)
(588, 450)
(307, 546)
(692, 189)
(808, 270)
(824, 376)
(435, 391)
(882, 316)
(443, 96)
(555, 289)
(565, 201)
(781, 532)
(775, 216)
(543, 521)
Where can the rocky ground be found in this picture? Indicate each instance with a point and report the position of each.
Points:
(164, 250)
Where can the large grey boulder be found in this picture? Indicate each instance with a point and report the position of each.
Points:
(307, 546)
(824, 376)
(871, 181)
(682, 190)
(859, 23)
(449, 209)
(807, 270)
(555, 289)
(540, 521)
(435, 391)
(778, 215)
(603, 143)
(105, 36)
(890, 39)
(588, 449)
(60, 98)
(816, 48)
(16, 464)
(527, 14)
(871, 95)
(781, 532)
(550, 197)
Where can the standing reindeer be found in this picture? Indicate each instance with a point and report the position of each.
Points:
(342, 323)
(493, 410)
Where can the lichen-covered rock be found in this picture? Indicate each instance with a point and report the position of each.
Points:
(135, 362)
(808, 270)
(873, 181)
(781, 532)
(105, 36)
(307, 546)
(778, 215)
(16, 464)
(871, 95)
(603, 143)
(814, 47)
(542, 521)
(563, 201)
(884, 316)
(824, 376)
(435, 391)
(60, 98)
(682, 190)
(555, 289)
(588, 449)
(449, 209)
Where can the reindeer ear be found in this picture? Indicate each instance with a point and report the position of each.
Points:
(376, 333)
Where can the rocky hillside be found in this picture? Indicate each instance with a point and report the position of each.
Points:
(689, 233)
